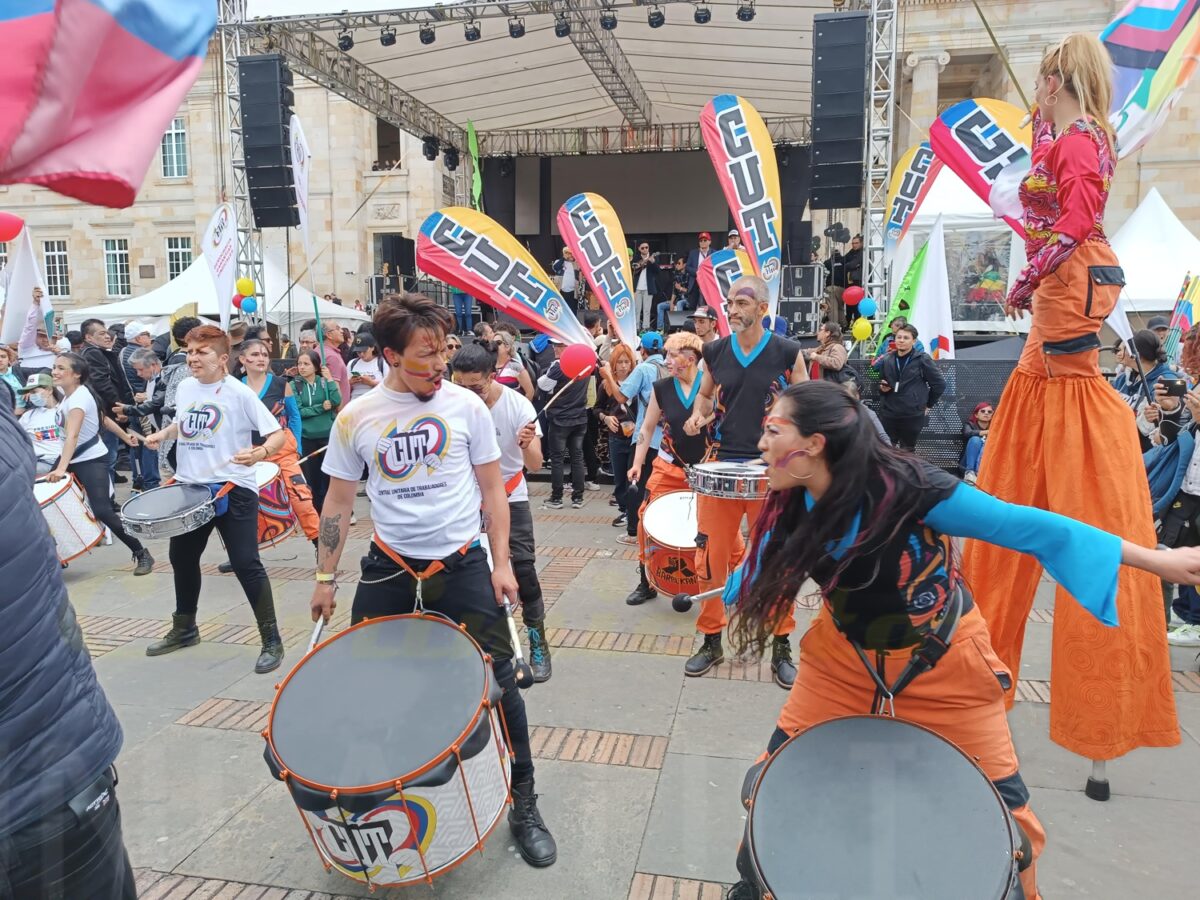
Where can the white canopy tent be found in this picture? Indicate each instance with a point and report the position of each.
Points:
(1156, 251)
(195, 285)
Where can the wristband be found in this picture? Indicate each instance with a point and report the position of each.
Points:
(326, 577)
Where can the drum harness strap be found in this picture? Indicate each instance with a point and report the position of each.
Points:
(924, 657)
(428, 572)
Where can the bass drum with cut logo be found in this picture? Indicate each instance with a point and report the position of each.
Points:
(871, 806)
(670, 524)
(390, 739)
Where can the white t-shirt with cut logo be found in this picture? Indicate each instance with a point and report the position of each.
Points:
(420, 456)
(216, 421)
(45, 430)
(511, 413)
(83, 399)
(372, 368)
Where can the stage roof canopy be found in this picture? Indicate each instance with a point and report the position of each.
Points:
(591, 78)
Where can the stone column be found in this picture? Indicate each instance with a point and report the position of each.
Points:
(1025, 59)
(925, 66)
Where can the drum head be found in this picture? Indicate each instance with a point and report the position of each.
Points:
(265, 473)
(45, 491)
(164, 502)
(378, 702)
(740, 469)
(874, 807)
(671, 519)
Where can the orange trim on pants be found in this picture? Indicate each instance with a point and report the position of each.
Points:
(298, 490)
(719, 549)
(960, 699)
(1063, 440)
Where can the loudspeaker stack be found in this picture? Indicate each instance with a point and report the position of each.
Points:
(265, 89)
(839, 109)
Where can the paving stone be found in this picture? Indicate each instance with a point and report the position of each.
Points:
(720, 719)
(181, 680)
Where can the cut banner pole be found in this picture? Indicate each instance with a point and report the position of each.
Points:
(301, 165)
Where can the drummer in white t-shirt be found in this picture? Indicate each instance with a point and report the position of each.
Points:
(433, 461)
(517, 433)
(222, 430)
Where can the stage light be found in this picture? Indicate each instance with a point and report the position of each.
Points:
(562, 28)
(387, 37)
(345, 42)
(655, 18)
(429, 147)
(608, 20)
(471, 31)
(516, 27)
(745, 10)
(703, 15)
(427, 35)
(450, 158)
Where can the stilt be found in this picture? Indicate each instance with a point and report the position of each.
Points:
(1097, 784)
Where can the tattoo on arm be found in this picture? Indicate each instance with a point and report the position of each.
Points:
(487, 521)
(331, 533)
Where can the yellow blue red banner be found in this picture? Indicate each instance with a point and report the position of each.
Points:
(590, 227)
(716, 275)
(912, 177)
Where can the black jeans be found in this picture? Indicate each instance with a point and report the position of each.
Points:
(620, 455)
(238, 527)
(591, 459)
(903, 430)
(74, 851)
(93, 478)
(318, 481)
(522, 553)
(567, 439)
(463, 592)
(636, 492)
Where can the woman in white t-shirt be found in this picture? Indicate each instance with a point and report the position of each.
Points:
(84, 455)
(366, 369)
(217, 419)
(40, 421)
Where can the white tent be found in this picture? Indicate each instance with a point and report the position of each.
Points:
(195, 285)
(1156, 251)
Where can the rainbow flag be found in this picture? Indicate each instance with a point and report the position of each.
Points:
(90, 86)
(1182, 318)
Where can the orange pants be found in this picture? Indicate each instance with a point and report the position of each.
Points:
(298, 490)
(719, 550)
(960, 699)
(664, 478)
(1063, 440)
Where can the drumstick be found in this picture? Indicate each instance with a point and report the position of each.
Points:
(522, 673)
(589, 371)
(314, 453)
(316, 635)
(683, 602)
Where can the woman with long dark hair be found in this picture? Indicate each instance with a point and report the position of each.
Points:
(82, 417)
(872, 527)
(318, 396)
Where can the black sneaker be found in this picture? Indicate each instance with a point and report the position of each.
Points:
(781, 662)
(641, 594)
(709, 655)
(552, 504)
(225, 568)
(620, 521)
(539, 652)
(576, 504)
(144, 562)
(534, 841)
(743, 890)
(118, 478)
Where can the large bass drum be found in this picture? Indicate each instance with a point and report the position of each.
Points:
(874, 807)
(390, 739)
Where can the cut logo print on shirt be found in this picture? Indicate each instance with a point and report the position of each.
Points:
(200, 422)
(422, 442)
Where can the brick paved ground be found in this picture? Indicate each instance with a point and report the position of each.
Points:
(639, 768)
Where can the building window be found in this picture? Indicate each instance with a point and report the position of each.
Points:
(174, 150)
(3, 255)
(116, 267)
(179, 255)
(55, 265)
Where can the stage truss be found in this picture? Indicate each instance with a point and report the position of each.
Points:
(880, 126)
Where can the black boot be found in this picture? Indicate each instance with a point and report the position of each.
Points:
(534, 841)
(272, 648)
(183, 633)
(781, 662)
(743, 890)
(225, 568)
(642, 592)
(539, 650)
(144, 562)
(709, 654)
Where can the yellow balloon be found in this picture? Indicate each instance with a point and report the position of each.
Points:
(245, 286)
(861, 329)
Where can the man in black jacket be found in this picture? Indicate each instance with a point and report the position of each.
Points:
(60, 835)
(910, 384)
(145, 414)
(569, 417)
(107, 378)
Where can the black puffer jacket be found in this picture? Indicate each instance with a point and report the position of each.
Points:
(916, 386)
(57, 731)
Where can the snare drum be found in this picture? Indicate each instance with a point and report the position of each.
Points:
(670, 524)
(72, 525)
(871, 806)
(276, 521)
(395, 786)
(729, 480)
(167, 511)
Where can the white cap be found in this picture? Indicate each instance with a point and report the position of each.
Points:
(64, 345)
(133, 329)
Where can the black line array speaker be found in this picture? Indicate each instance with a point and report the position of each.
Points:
(265, 91)
(839, 109)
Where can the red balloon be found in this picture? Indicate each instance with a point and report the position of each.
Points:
(237, 301)
(10, 226)
(578, 361)
(853, 295)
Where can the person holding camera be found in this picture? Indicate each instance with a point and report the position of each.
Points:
(645, 280)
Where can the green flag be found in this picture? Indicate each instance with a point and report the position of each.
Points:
(476, 169)
(905, 301)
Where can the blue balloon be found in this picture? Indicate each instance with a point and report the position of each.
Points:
(866, 307)
(249, 305)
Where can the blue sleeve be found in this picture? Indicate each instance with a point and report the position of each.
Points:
(292, 408)
(733, 584)
(632, 386)
(1083, 559)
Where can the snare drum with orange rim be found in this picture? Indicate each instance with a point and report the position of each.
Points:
(65, 509)
(669, 521)
(390, 740)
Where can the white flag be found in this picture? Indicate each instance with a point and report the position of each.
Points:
(21, 276)
(932, 316)
(1118, 320)
(301, 163)
(220, 252)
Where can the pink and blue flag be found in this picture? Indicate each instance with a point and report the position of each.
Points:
(88, 87)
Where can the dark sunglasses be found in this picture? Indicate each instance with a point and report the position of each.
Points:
(987, 411)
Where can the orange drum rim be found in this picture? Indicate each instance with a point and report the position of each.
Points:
(391, 783)
(53, 498)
